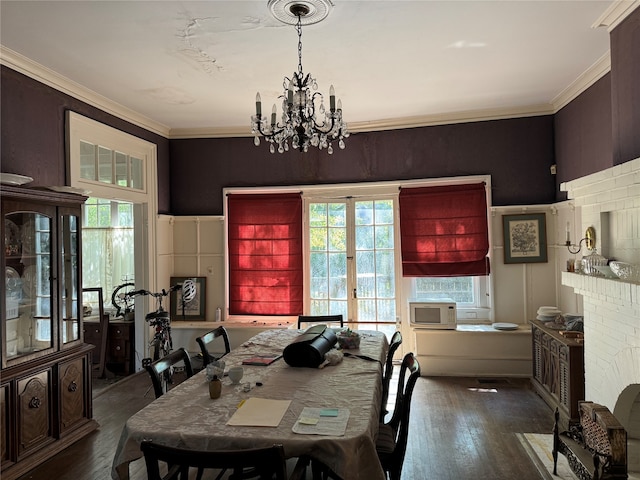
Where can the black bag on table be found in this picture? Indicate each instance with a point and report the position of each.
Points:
(310, 347)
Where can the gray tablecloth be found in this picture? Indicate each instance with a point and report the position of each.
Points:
(186, 417)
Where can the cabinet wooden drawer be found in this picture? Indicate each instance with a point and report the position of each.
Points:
(34, 412)
(119, 332)
(118, 351)
(92, 333)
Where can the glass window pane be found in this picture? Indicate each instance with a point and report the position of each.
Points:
(121, 169)
(364, 237)
(318, 215)
(105, 165)
(384, 236)
(458, 289)
(318, 239)
(384, 212)
(364, 213)
(137, 173)
(337, 214)
(87, 161)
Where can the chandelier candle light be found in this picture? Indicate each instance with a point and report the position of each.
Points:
(305, 119)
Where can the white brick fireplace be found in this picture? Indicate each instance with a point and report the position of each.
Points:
(610, 201)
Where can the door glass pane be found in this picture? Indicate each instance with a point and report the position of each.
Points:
(69, 274)
(28, 279)
(328, 258)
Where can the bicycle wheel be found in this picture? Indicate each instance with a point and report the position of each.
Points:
(122, 302)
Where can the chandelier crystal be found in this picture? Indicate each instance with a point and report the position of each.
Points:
(305, 119)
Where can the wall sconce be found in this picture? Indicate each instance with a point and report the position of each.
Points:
(589, 241)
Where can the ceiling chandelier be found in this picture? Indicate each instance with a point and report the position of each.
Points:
(305, 120)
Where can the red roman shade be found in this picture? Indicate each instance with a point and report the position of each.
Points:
(444, 231)
(265, 254)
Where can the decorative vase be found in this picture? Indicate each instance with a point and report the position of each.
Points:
(215, 387)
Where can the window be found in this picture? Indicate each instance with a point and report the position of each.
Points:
(108, 257)
(352, 259)
(265, 254)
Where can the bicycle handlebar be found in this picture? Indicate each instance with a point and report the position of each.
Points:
(164, 292)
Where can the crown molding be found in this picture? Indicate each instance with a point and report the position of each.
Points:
(616, 13)
(583, 82)
(47, 76)
(388, 124)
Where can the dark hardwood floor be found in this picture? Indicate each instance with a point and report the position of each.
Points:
(461, 428)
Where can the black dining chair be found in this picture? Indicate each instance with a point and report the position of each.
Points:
(391, 444)
(206, 357)
(159, 371)
(328, 320)
(396, 341)
(265, 463)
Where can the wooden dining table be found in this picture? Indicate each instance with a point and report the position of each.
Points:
(187, 417)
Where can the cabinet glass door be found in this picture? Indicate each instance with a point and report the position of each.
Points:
(69, 275)
(28, 283)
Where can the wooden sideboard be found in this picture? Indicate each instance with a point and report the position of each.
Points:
(558, 371)
(120, 344)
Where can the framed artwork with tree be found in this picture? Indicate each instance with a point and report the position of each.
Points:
(525, 238)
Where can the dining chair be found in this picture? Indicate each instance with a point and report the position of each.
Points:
(267, 463)
(328, 320)
(159, 369)
(396, 341)
(391, 444)
(205, 358)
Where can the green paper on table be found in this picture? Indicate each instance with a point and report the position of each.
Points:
(329, 412)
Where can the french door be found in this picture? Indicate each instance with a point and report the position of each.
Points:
(352, 260)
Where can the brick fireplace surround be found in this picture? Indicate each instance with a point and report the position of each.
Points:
(610, 201)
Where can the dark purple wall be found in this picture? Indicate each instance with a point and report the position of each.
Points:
(625, 91)
(517, 153)
(32, 119)
(583, 134)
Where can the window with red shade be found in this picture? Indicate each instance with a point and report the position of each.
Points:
(265, 254)
(444, 231)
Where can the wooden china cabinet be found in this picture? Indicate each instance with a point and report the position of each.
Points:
(45, 382)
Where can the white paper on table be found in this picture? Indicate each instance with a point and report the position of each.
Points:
(259, 412)
(330, 426)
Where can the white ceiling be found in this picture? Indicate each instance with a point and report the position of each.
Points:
(195, 66)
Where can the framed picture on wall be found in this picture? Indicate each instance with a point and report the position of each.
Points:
(193, 310)
(525, 238)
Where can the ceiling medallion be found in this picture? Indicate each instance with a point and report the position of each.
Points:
(305, 120)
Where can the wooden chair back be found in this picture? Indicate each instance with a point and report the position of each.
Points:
(392, 457)
(209, 337)
(396, 341)
(266, 463)
(305, 321)
(159, 367)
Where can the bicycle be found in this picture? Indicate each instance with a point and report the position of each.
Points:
(161, 344)
(121, 300)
